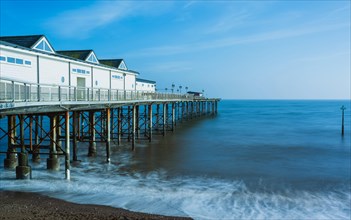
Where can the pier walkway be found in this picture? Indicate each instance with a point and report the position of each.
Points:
(47, 119)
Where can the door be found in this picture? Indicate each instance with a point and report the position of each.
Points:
(81, 91)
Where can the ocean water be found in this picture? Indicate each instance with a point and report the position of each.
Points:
(254, 160)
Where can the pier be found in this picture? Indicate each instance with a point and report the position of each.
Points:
(52, 120)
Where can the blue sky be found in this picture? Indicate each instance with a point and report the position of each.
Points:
(231, 49)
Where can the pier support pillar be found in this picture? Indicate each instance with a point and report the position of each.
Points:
(108, 134)
(23, 171)
(75, 135)
(173, 117)
(92, 143)
(67, 149)
(119, 125)
(53, 162)
(150, 123)
(164, 119)
(10, 162)
(36, 155)
(133, 127)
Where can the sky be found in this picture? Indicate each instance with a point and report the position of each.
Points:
(229, 49)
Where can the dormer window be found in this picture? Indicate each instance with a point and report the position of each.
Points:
(122, 66)
(92, 58)
(44, 45)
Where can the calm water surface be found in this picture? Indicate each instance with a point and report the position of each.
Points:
(254, 160)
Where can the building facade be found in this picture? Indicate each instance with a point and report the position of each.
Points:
(32, 59)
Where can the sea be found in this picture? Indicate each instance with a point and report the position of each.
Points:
(256, 159)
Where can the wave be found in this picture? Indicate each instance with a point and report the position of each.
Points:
(197, 197)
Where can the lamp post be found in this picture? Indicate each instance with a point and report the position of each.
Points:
(186, 88)
(173, 87)
(180, 89)
(203, 93)
(166, 89)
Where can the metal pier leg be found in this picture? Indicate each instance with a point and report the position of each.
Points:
(92, 143)
(119, 110)
(75, 135)
(157, 116)
(10, 160)
(173, 116)
(67, 153)
(53, 162)
(137, 121)
(108, 133)
(59, 133)
(133, 127)
(36, 156)
(150, 122)
(23, 171)
(164, 119)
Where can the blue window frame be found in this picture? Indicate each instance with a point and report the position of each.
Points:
(2, 58)
(27, 62)
(10, 60)
(19, 61)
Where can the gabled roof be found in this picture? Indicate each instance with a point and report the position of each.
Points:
(24, 41)
(77, 54)
(112, 62)
(145, 81)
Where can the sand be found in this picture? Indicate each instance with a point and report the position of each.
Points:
(23, 205)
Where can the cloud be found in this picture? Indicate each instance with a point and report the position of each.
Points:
(232, 41)
(80, 22)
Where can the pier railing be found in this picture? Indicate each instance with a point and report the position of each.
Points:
(16, 91)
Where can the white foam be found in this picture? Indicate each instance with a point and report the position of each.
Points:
(200, 198)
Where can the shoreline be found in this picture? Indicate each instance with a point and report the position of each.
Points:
(28, 205)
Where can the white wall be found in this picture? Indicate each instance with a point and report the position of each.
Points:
(101, 78)
(147, 87)
(117, 80)
(85, 75)
(26, 73)
(130, 81)
(53, 71)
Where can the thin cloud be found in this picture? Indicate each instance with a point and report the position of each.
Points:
(82, 21)
(232, 41)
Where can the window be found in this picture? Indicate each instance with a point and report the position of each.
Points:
(87, 72)
(122, 66)
(74, 70)
(2, 58)
(40, 46)
(92, 58)
(83, 71)
(44, 46)
(27, 62)
(79, 71)
(96, 82)
(10, 60)
(62, 79)
(19, 61)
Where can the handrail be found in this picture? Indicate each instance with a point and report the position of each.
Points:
(16, 91)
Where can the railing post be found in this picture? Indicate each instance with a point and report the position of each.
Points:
(59, 93)
(75, 93)
(88, 95)
(38, 93)
(13, 91)
(99, 92)
(25, 92)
